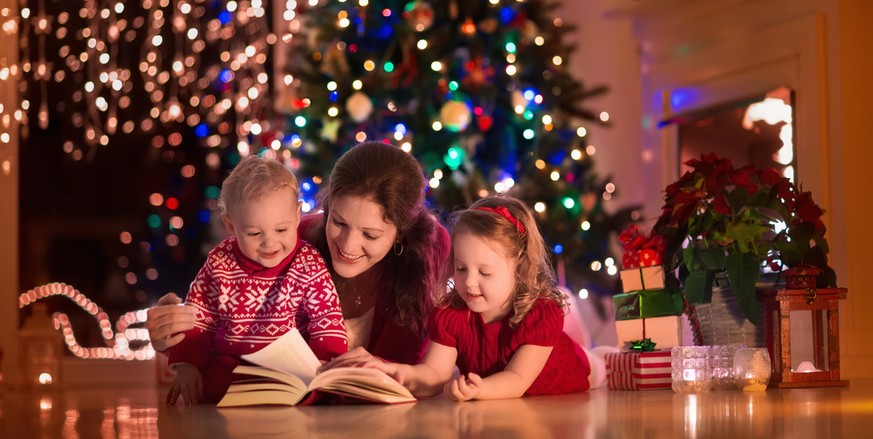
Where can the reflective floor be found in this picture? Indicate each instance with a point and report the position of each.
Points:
(845, 412)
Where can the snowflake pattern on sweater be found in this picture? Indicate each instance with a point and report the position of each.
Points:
(243, 306)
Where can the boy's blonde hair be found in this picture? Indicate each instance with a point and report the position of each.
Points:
(534, 276)
(253, 178)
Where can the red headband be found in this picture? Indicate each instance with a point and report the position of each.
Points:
(504, 212)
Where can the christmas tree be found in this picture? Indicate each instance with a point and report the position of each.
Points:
(479, 92)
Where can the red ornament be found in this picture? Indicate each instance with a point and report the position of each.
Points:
(484, 122)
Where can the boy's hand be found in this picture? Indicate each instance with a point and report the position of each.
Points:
(167, 322)
(188, 384)
(463, 388)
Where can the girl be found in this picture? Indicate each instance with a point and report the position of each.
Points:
(502, 321)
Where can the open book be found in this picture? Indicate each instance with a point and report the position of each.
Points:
(284, 374)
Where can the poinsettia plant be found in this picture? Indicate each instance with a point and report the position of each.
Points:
(720, 219)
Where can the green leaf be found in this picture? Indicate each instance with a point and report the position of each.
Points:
(737, 198)
(746, 235)
(695, 287)
(789, 253)
(688, 257)
(713, 258)
(743, 271)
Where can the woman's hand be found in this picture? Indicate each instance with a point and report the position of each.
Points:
(167, 322)
(357, 357)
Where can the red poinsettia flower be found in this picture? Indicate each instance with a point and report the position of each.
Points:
(744, 177)
(807, 211)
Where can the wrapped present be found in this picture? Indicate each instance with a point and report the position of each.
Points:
(640, 258)
(639, 250)
(638, 370)
(665, 332)
(652, 370)
(647, 304)
(619, 370)
(639, 279)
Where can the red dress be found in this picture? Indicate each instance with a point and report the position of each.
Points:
(486, 349)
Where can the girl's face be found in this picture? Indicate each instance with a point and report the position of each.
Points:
(484, 276)
(266, 229)
(357, 235)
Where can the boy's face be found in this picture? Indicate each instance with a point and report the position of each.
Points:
(266, 229)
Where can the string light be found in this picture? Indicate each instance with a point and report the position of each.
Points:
(118, 343)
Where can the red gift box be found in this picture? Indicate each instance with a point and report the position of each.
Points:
(639, 250)
(640, 258)
(638, 370)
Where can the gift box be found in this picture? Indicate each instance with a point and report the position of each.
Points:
(639, 279)
(640, 258)
(647, 304)
(665, 332)
(640, 250)
(653, 370)
(638, 370)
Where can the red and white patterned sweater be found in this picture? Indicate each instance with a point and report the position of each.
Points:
(243, 306)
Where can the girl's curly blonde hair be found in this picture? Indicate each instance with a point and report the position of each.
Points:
(534, 276)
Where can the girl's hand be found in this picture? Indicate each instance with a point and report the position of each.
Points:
(188, 384)
(167, 322)
(357, 357)
(464, 388)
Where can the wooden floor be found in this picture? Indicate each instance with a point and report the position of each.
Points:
(139, 413)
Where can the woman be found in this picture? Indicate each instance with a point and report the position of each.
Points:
(386, 251)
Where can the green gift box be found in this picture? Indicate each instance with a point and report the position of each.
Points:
(647, 303)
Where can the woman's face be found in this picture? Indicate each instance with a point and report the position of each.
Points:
(358, 235)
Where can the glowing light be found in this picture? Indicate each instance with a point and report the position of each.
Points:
(582, 294)
(540, 207)
(568, 202)
(454, 157)
(45, 378)
(585, 225)
(118, 344)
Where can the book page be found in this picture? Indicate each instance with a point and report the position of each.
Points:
(259, 397)
(289, 354)
(362, 382)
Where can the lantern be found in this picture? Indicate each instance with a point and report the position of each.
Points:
(821, 307)
(41, 347)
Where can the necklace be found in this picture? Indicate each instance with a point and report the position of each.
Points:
(342, 292)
